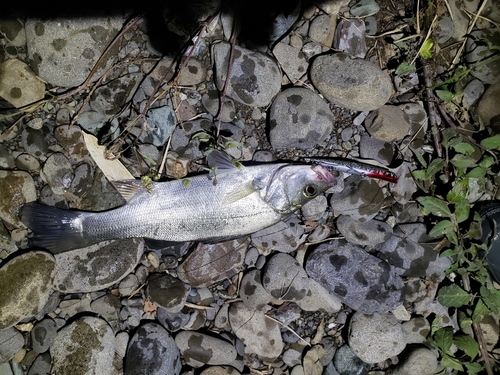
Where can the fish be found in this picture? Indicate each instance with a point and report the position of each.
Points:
(354, 167)
(229, 202)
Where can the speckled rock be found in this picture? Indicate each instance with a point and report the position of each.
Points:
(12, 30)
(260, 335)
(347, 363)
(43, 335)
(152, 351)
(110, 98)
(368, 233)
(317, 297)
(375, 337)
(284, 278)
(26, 284)
(12, 341)
(194, 73)
(64, 51)
(351, 83)
(41, 365)
(211, 102)
(364, 8)
(210, 263)
(420, 361)
(362, 281)
(220, 370)
(291, 60)
(85, 347)
(18, 83)
(161, 124)
(361, 198)
(255, 78)
(372, 148)
(16, 189)
(252, 293)
(285, 236)
(315, 209)
(319, 30)
(416, 330)
(98, 266)
(388, 123)
(71, 138)
(168, 292)
(299, 118)
(199, 349)
(57, 173)
(34, 142)
(350, 37)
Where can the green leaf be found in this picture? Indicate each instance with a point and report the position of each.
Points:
(478, 172)
(442, 227)
(462, 161)
(473, 368)
(462, 210)
(425, 51)
(491, 297)
(435, 206)
(493, 143)
(405, 67)
(480, 311)
(467, 344)
(186, 182)
(445, 95)
(444, 338)
(447, 253)
(452, 237)
(435, 166)
(451, 363)
(420, 175)
(458, 192)
(419, 156)
(464, 148)
(448, 134)
(453, 296)
(487, 162)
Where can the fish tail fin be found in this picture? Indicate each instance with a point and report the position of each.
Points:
(53, 229)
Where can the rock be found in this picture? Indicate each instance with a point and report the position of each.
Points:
(26, 284)
(7, 160)
(284, 278)
(161, 124)
(488, 110)
(199, 349)
(152, 351)
(107, 307)
(347, 363)
(417, 117)
(319, 30)
(43, 335)
(98, 266)
(86, 346)
(388, 124)
(291, 60)
(57, 173)
(122, 338)
(128, 285)
(375, 337)
(315, 209)
(351, 83)
(19, 85)
(172, 321)
(416, 330)
(64, 51)
(12, 30)
(12, 341)
(350, 37)
(362, 281)
(473, 91)
(299, 118)
(193, 73)
(404, 189)
(284, 236)
(260, 335)
(27, 163)
(71, 138)
(210, 263)
(168, 292)
(368, 233)
(16, 189)
(373, 148)
(479, 52)
(364, 8)
(252, 293)
(220, 370)
(317, 297)
(211, 102)
(361, 198)
(255, 78)
(420, 361)
(41, 365)
(446, 30)
(371, 25)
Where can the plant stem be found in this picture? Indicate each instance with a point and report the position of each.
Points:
(433, 117)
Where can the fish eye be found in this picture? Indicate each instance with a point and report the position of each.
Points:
(310, 191)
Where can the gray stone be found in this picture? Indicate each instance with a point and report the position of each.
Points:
(362, 281)
(199, 349)
(122, 338)
(12, 341)
(16, 189)
(41, 365)
(26, 284)
(7, 160)
(416, 330)
(57, 173)
(173, 321)
(27, 162)
(92, 121)
(420, 361)
(488, 110)
(152, 351)
(86, 346)
(63, 52)
(71, 138)
(12, 30)
(255, 78)
(107, 307)
(220, 370)
(260, 335)
(168, 292)
(388, 124)
(404, 189)
(375, 337)
(111, 97)
(320, 28)
(317, 297)
(311, 49)
(365, 8)
(98, 266)
(284, 236)
(371, 25)
(299, 118)
(34, 142)
(478, 53)
(43, 335)
(446, 30)
(473, 91)
(193, 73)
(347, 363)
(368, 233)
(314, 210)
(211, 102)
(252, 293)
(350, 37)
(161, 124)
(375, 149)
(351, 83)
(291, 60)
(128, 285)
(18, 83)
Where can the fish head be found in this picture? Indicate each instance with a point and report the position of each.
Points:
(292, 186)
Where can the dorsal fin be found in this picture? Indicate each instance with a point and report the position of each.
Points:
(128, 188)
(222, 161)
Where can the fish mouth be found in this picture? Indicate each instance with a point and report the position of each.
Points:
(324, 174)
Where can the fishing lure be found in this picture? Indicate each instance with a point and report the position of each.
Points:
(354, 167)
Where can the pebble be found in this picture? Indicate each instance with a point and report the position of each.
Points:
(41, 365)
(107, 307)
(285, 236)
(199, 349)
(220, 370)
(487, 108)
(255, 78)
(86, 346)
(317, 297)
(404, 189)
(34, 142)
(64, 51)
(375, 149)
(252, 293)
(489, 73)
(364, 8)
(210, 263)
(57, 173)
(446, 30)
(473, 91)
(362, 281)
(371, 25)
(387, 123)
(299, 118)
(347, 363)
(16, 189)
(12, 341)
(168, 292)
(19, 85)
(292, 60)
(351, 83)
(315, 209)
(161, 124)
(416, 330)
(172, 321)
(284, 278)
(98, 266)
(26, 284)
(350, 37)
(122, 338)
(26, 162)
(43, 335)
(193, 73)
(71, 138)
(110, 98)
(260, 335)
(12, 29)
(368, 233)
(152, 351)
(319, 29)
(211, 102)
(420, 361)
(128, 285)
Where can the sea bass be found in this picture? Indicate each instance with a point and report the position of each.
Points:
(231, 202)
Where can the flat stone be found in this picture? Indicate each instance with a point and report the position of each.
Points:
(488, 110)
(110, 98)
(107, 307)
(420, 361)
(346, 362)
(416, 330)
(318, 298)
(388, 123)
(16, 189)
(161, 124)
(373, 148)
(41, 365)
(252, 293)
(26, 284)
(364, 8)
(368, 233)
(57, 172)
(350, 37)
(285, 236)
(12, 341)
(489, 73)
(291, 60)
(19, 85)
(199, 349)
(168, 292)
(43, 335)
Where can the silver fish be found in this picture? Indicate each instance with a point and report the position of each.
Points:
(242, 201)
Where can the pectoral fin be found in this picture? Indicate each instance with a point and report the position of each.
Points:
(129, 188)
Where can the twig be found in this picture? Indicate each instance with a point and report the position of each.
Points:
(433, 117)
